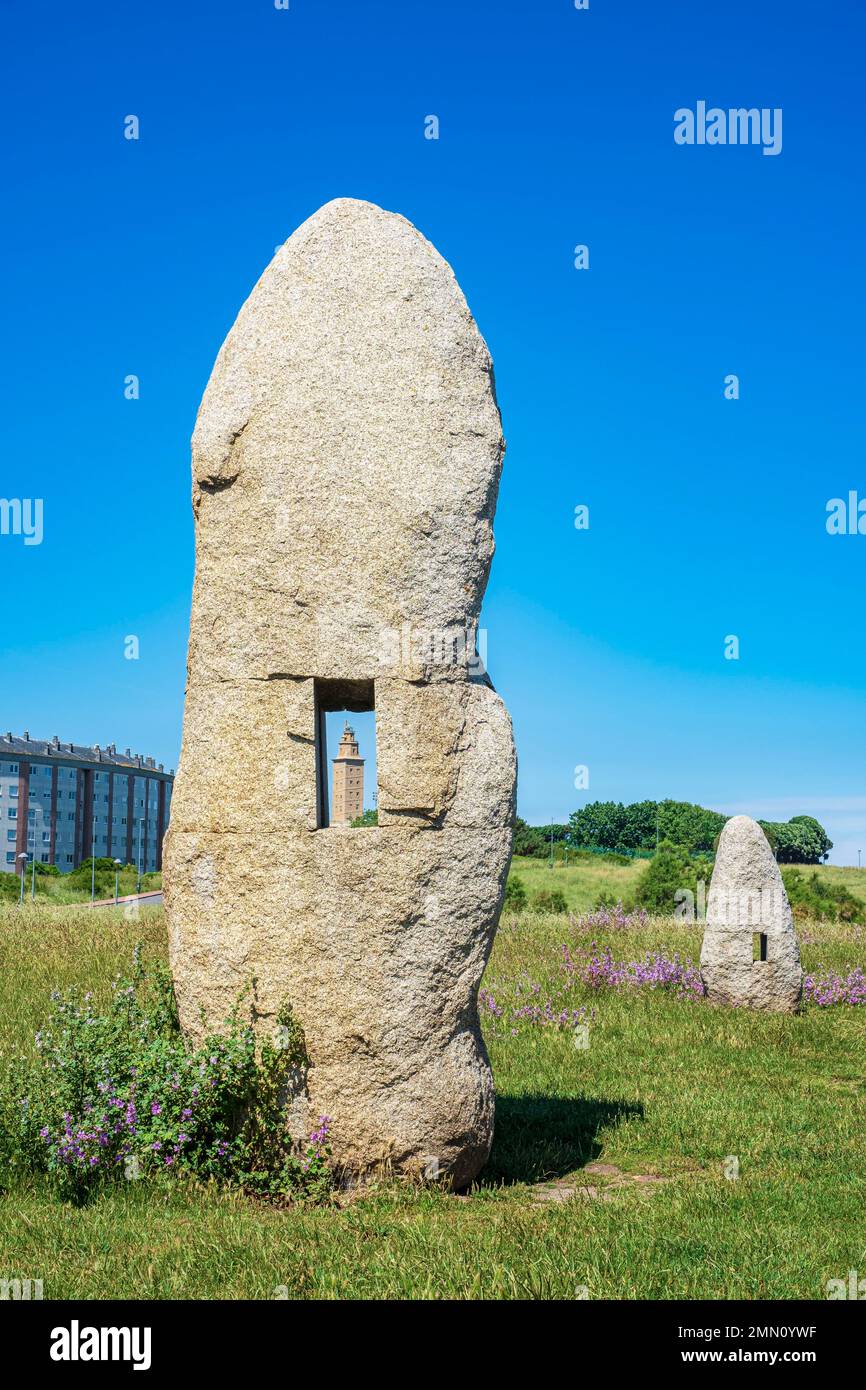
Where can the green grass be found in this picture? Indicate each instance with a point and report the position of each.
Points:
(852, 879)
(582, 880)
(667, 1087)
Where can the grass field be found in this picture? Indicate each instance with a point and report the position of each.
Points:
(580, 883)
(852, 879)
(582, 880)
(607, 1173)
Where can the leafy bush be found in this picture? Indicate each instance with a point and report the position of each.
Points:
(366, 818)
(10, 886)
(801, 840)
(82, 877)
(515, 893)
(820, 898)
(670, 872)
(550, 900)
(122, 1094)
(103, 865)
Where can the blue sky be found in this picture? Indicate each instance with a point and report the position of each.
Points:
(707, 516)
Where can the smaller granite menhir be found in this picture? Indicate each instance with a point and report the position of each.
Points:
(750, 956)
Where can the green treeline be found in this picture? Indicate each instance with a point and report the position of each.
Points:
(639, 827)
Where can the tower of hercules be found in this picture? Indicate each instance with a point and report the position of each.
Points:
(348, 802)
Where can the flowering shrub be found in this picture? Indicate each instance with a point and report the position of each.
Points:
(122, 1094)
(613, 917)
(599, 970)
(828, 988)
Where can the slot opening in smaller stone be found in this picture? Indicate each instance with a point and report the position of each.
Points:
(759, 945)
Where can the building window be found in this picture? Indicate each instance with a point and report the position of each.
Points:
(12, 813)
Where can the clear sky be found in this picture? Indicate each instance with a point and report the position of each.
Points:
(707, 515)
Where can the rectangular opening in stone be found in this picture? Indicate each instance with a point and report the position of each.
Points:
(346, 783)
(759, 945)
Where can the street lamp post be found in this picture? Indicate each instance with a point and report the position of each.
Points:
(140, 837)
(93, 859)
(22, 860)
(116, 877)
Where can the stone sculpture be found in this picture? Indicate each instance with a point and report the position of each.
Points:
(749, 955)
(346, 461)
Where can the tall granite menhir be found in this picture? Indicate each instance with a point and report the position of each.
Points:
(346, 461)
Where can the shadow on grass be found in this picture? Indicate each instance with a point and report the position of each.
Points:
(538, 1138)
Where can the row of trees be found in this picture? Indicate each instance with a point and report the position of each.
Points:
(535, 839)
(642, 825)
